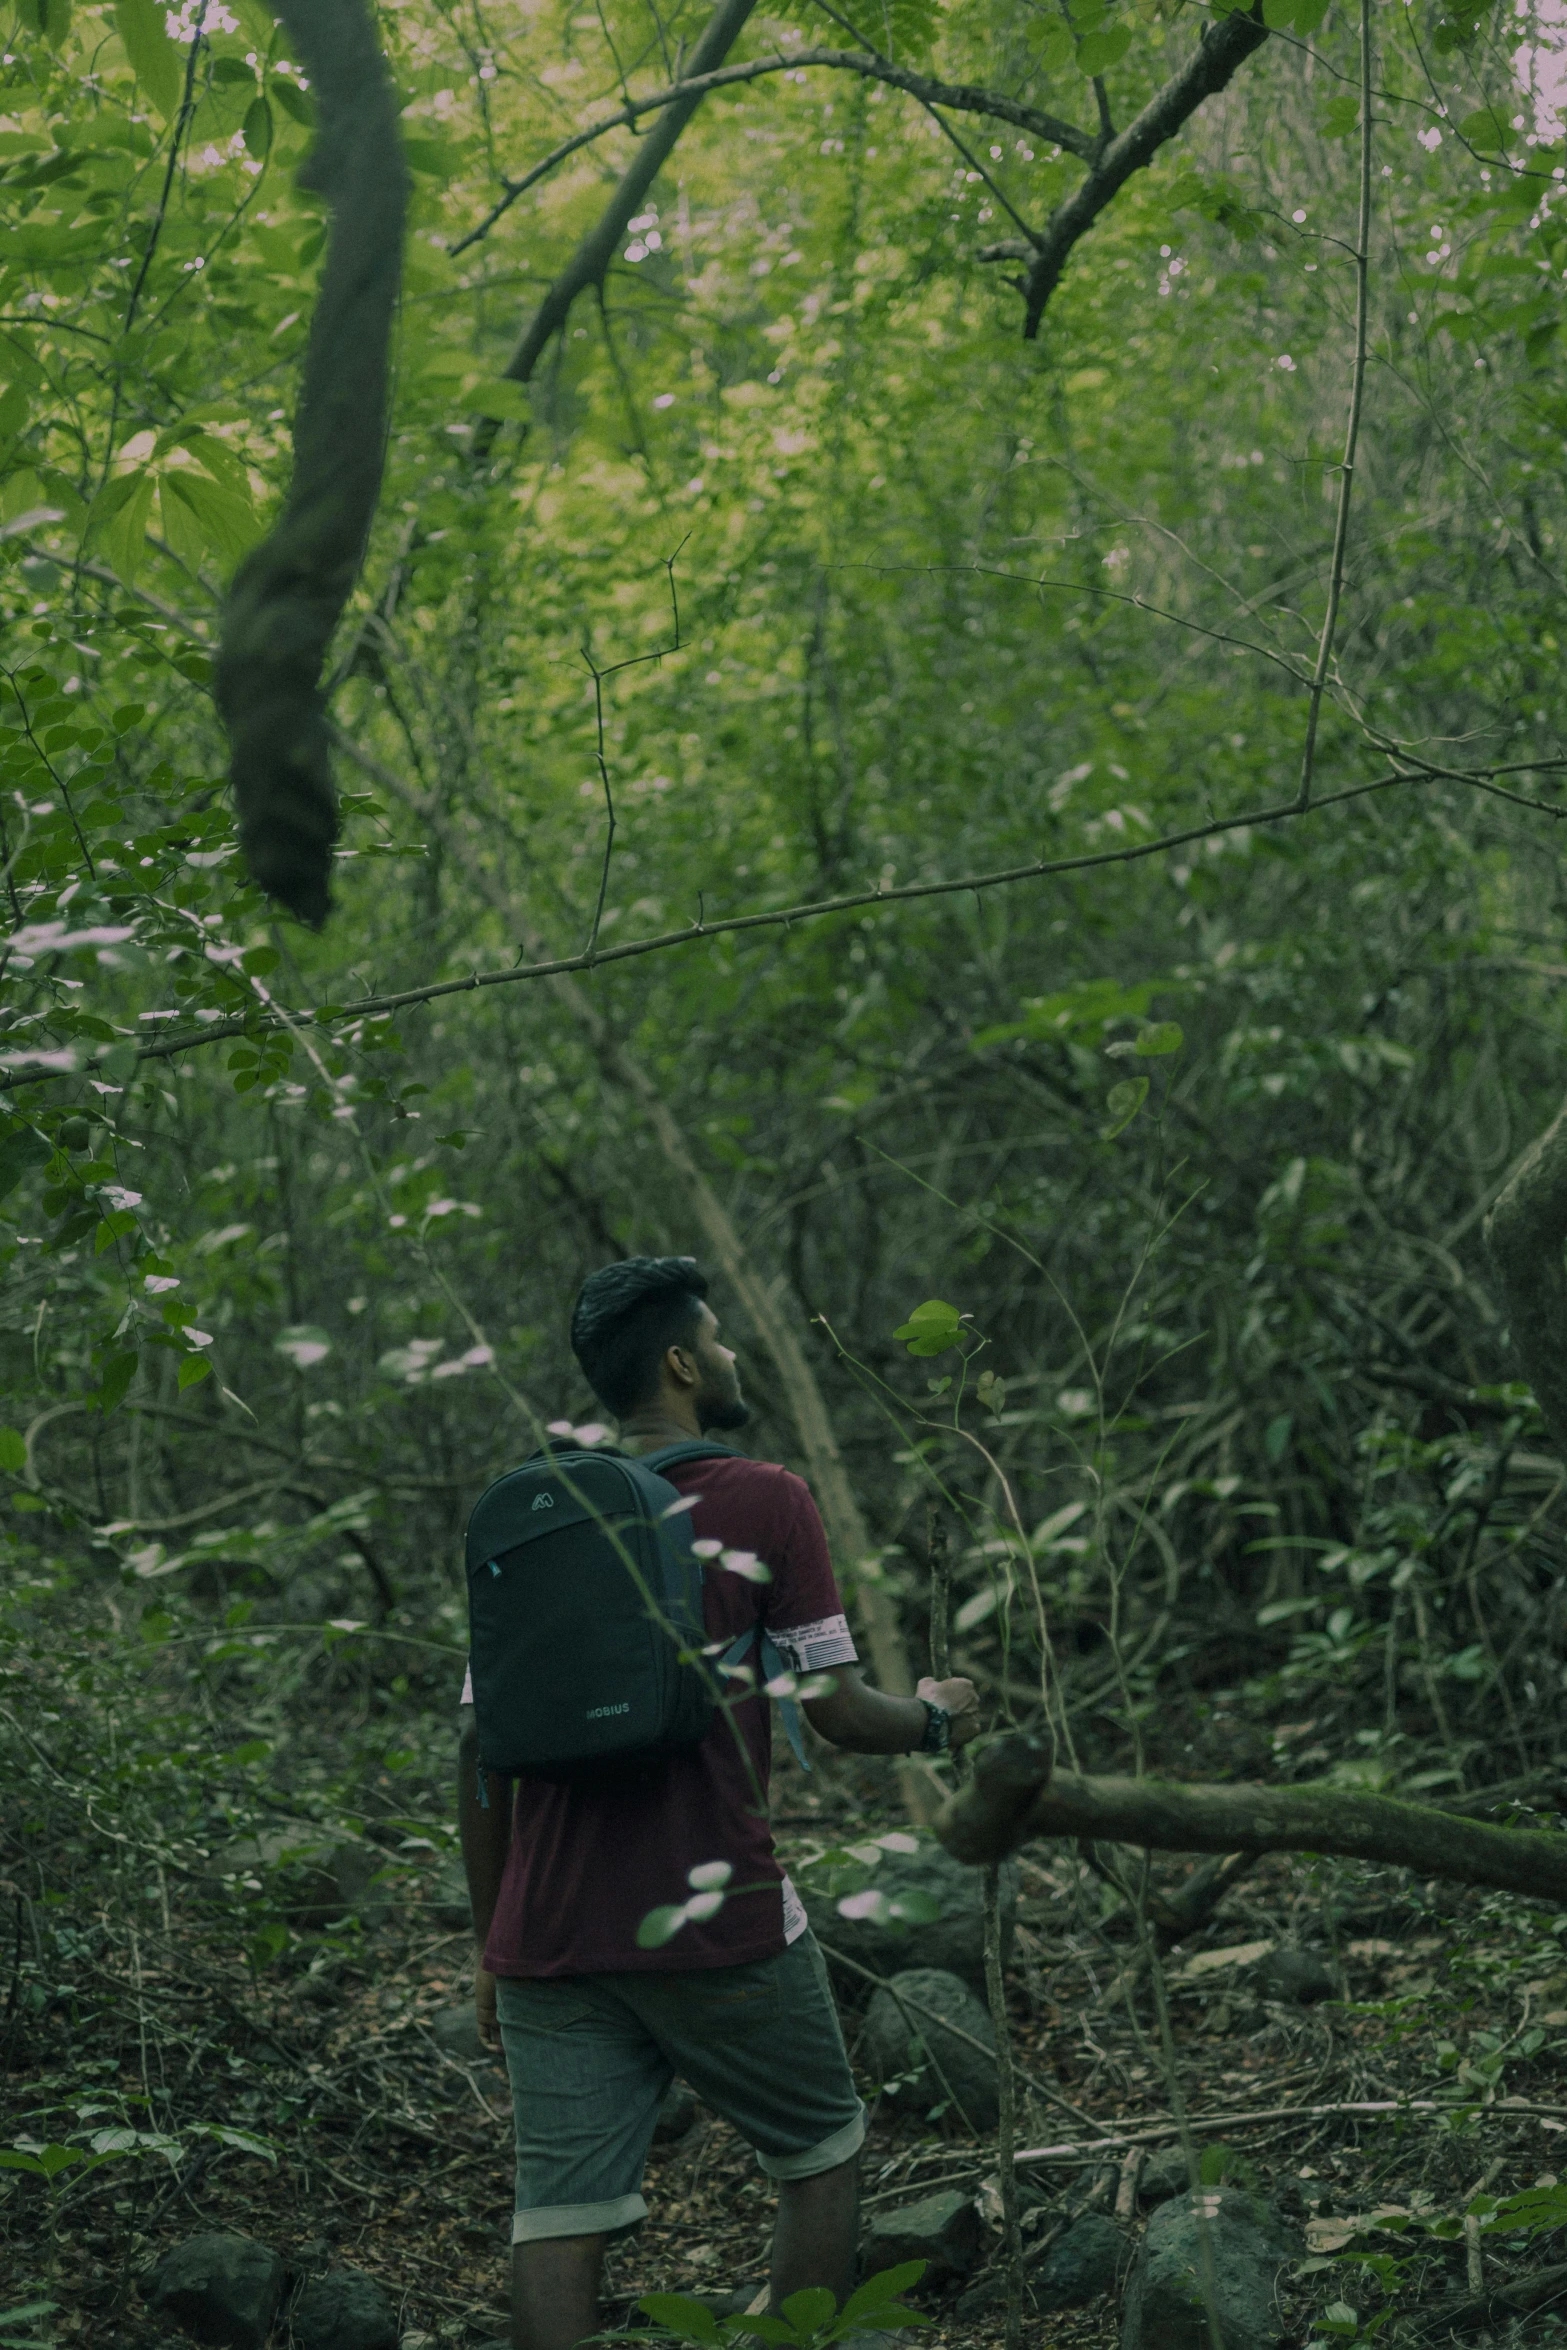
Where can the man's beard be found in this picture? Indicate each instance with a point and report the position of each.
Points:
(726, 1412)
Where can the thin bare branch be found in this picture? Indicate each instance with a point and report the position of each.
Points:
(782, 917)
(1346, 479)
(962, 97)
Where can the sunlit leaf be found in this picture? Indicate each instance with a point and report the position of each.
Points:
(155, 61)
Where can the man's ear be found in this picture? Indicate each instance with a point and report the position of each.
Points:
(680, 1366)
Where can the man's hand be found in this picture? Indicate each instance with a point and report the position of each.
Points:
(484, 2004)
(960, 1699)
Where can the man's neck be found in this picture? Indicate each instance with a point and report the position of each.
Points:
(656, 1425)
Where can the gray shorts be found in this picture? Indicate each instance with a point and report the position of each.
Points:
(591, 2056)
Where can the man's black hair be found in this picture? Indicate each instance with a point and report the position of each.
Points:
(624, 1318)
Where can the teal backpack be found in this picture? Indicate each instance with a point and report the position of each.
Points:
(585, 1624)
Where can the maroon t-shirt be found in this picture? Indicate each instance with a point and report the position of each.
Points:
(586, 1865)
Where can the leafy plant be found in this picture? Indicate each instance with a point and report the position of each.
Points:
(810, 2320)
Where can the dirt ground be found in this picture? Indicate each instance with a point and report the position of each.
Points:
(393, 2157)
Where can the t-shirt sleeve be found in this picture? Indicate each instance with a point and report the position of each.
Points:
(804, 1611)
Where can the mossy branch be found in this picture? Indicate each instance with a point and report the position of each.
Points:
(288, 594)
(1014, 1795)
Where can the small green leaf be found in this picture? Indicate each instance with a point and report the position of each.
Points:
(13, 1450)
(1486, 130)
(294, 101)
(118, 1372)
(198, 515)
(812, 2306)
(657, 1928)
(1097, 52)
(931, 1328)
(506, 401)
(1057, 49)
(117, 522)
(1339, 117)
(155, 61)
(256, 129)
(193, 1369)
(877, 2291)
(1165, 1036)
(1123, 1103)
(682, 2314)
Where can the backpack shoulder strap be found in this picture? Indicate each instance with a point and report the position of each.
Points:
(695, 1448)
(773, 1668)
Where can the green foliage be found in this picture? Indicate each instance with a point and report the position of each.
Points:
(932, 1328)
(809, 2320)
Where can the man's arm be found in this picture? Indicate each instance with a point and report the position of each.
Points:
(864, 1721)
(486, 1839)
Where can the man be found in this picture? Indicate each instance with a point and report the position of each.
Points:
(738, 2003)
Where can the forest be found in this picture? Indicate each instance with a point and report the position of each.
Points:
(787, 635)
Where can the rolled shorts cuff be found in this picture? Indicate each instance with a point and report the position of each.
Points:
(582, 2219)
(824, 2156)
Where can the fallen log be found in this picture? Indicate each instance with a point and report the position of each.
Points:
(1014, 1795)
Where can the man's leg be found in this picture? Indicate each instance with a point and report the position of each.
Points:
(555, 2291)
(817, 2235)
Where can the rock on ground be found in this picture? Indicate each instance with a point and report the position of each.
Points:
(222, 2289)
(1162, 2175)
(1081, 2264)
(925, 2065)
(1299, 1976)
(955, 1939)
(942, 2230)
(1250, 2243)
(344, 2310)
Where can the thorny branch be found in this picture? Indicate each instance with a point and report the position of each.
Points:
(1112, 157)
(1346, 480)
(1220, 53)
(15, 1072)
(374, 1007)
(962, 97)
(600, 679)
(591, 260)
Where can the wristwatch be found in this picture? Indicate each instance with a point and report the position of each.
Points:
(938, 1730)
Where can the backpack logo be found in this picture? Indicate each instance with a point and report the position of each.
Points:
(600, 1713)
(544, 1501)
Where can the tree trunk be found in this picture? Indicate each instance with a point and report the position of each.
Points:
(1014, 1795)
(847, 1532)
(289, 592)
(1524, 1233)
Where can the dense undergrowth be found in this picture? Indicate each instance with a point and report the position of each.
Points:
(1179, 1162)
